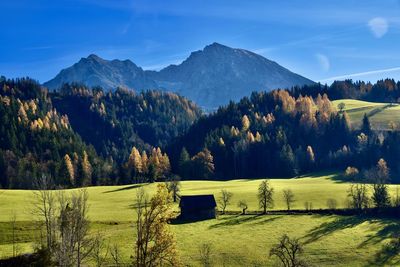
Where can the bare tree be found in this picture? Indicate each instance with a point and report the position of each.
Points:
(115, 255)
(288, 252)
(243, 205)
(155, 243)
(13, 222)
(205, 254)
(45, 209)
(288, 197)
(358, 196)
(73, 228)
(100, 251)
(225, 199)
(308, 205)
(174, 187)
(265, 192)
(331, 203)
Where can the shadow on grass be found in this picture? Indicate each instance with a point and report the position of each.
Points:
(386, 256)
(124, 188)
(388, 230)
(242, 219)
(328, 228)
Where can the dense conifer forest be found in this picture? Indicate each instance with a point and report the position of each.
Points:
(86, 136)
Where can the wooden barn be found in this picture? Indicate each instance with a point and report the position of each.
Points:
(198, 207)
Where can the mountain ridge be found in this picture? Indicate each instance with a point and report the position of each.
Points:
(211, 77)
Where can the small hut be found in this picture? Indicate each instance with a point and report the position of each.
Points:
(198, 207)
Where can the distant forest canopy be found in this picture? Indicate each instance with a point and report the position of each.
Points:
(387, 90)
(80, 136)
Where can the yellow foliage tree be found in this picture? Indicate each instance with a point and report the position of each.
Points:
(155, 243)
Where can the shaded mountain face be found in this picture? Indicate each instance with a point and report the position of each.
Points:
(210, 77)
(95, 71)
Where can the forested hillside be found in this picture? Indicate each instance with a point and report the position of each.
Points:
(86, 136)
(114, 122)
(37, 140)
(81, 136)
(276, 134)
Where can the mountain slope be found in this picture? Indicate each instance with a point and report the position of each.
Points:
(108, 74)
(217, 74)
(210, 77)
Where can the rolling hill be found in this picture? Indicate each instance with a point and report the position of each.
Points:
(379, 114)
(329, 239)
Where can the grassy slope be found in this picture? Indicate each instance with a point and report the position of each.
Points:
(380, 113)
(238, 240)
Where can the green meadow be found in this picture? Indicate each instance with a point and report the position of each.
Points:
(236, 240)
(379, 114)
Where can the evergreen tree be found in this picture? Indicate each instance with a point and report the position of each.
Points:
(288, 161)
(184, 163)
(366, 125)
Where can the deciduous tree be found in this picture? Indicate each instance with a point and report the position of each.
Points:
(265, 192)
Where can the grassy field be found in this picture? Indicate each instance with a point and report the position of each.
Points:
(236, 240)
(380, 114)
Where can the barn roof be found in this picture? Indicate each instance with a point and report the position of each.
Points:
(198, 202)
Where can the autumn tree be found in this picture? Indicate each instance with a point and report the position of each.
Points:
(159, 165)
(145, 162)
(310, 158)
(155, 244)
(135, 162)
(351, 173)
(265, 192)
(225, 199)
(288, 197)
(85, 170)
(67, 173)
(245, 123)
(203, 164)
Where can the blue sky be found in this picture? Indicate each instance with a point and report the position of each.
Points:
(322, 40)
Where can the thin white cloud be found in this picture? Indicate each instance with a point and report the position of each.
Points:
(359, 74)
(378, 26)
(323, 61)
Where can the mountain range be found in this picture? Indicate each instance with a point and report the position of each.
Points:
(210, 77)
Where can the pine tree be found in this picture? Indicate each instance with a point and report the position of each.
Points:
(183, 164)
(366, 125)
(288, 161)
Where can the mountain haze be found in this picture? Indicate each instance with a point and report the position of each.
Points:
(210, 77)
